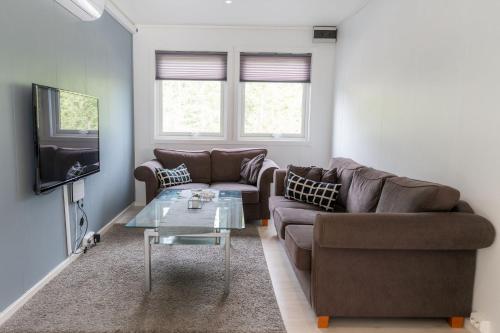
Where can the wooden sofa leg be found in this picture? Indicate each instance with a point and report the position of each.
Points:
(323, 321)
(265, 222)
(456, 322)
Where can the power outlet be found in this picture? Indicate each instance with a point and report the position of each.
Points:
(88, 241)
(479, 322)
(78, 190)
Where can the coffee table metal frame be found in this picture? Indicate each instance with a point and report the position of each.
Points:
(151, 236)
(158, 232)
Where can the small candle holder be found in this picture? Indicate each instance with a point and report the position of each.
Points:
(195, 202)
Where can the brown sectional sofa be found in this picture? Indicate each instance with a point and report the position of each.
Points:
(396, 247)
(217, 169)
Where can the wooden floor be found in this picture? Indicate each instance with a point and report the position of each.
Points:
(298, 316)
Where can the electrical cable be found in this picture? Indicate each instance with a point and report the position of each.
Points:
(84, 218)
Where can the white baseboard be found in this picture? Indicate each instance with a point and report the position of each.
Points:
(108, 225)
(17, 304)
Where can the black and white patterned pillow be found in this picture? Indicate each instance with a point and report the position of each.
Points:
(171, 177)
(320, 194)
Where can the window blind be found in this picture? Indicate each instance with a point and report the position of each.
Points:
(199, 66)
(275, 67)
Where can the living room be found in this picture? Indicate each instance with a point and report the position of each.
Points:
(249, 166)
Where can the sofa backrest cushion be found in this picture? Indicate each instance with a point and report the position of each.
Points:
(312, 173)
(345, 170)
(405, 195)
(365, 190)
(226, 163)
(197, 162)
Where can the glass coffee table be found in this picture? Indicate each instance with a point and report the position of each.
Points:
(168, 220)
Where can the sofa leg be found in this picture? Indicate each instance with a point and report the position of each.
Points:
(323, 321)
(456, 322)
(265, 222)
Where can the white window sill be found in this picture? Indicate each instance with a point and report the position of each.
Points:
(240, 142)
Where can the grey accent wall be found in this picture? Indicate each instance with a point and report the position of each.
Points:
(43, 43)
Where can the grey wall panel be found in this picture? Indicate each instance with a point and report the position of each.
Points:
(41, 42)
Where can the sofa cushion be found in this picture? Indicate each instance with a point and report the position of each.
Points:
(405, 195)
(283, 217)
(197, 162)
(298, 244)
(188, 186)
(311, 173)
(345, 171)
(226, 163)
(365, 190)
(277, 201)
(329, 176)
(249, 193)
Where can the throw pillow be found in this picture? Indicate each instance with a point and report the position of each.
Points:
(312, 173)
(171, 177)
(250, 169)
(329, 176)
(320, 194)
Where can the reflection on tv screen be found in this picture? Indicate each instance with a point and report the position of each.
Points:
(67, 136)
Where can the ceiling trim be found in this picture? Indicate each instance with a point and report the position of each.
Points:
(119, 15)
(236, 27)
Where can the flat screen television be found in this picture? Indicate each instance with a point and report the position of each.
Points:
(66, 136)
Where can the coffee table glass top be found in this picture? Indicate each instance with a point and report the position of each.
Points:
(170, 209)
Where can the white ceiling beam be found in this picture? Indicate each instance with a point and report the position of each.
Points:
(120, 16)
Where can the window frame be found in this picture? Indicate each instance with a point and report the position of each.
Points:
(160, 135)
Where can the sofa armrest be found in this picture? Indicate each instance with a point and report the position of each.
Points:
(264, 181)
(403, 231)
(265, 177)
(146, 173)
(279, 181)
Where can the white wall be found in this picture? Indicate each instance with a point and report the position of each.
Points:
(232, 39)
(417, 93)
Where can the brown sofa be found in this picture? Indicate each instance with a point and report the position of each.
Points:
(397, 247)
(216, 169)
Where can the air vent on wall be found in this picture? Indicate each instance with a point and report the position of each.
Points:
(324, 34)
(86, 10)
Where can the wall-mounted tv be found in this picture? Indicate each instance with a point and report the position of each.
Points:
(66, 136)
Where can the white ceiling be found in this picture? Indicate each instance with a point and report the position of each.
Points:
(239, 12)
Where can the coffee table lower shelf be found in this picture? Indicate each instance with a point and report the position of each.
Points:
(152, 236)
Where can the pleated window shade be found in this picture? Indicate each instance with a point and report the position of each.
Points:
(275, 67)
(198, 66)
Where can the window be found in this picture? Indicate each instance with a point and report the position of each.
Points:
(274, 95)
(190, 93)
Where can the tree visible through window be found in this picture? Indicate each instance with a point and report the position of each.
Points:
(273, 108)
(191, 107)
(77, 112)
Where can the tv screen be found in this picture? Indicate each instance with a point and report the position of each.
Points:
(66, 136)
